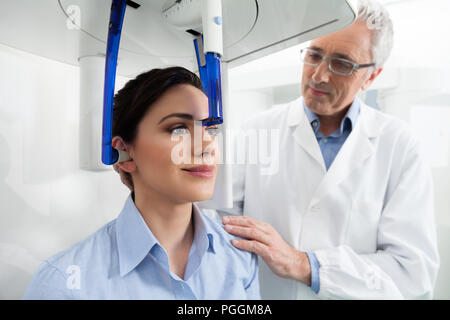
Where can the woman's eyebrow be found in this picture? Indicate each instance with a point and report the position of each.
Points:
(177, 115)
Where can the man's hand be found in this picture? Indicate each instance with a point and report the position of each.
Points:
(125, 177)
(267, 243)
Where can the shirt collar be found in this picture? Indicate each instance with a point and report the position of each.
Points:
(203, 237)
(350, 117)
(135, 239)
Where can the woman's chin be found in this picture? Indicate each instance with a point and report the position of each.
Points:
(202, 196)
(199, 189)
(197, 195)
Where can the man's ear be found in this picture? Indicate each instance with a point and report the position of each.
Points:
(128, 165)
(371, 78)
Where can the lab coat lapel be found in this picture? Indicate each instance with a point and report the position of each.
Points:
(356, 149)
(303, 133)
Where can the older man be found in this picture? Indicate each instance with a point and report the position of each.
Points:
(349, 214)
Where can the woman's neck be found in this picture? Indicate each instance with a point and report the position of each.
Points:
(170, 222)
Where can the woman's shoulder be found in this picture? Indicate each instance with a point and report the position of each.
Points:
(222, 239)
(56, 274)
(240, 263)
(94, 249)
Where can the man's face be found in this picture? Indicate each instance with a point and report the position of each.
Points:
(326, 93)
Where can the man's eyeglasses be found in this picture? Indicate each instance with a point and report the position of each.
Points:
(339, 66)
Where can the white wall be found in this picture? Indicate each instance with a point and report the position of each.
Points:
(46, 202)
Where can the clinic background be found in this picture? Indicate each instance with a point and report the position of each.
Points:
(47, 203)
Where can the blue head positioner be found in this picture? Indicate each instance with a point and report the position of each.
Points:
(209, 68)
(109, 154)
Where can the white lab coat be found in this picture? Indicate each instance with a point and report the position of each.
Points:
(369, 219)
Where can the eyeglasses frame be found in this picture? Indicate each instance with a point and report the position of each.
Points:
(356, 66)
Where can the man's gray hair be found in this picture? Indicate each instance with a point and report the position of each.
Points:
(377, 19)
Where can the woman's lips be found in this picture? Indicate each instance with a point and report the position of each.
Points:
(317, 92)
(202, 171)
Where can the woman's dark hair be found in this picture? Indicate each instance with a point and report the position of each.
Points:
(132, 102)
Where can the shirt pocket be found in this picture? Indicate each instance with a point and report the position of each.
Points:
(361, 234)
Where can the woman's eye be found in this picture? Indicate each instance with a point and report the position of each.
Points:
(180, 131)
(213, 131)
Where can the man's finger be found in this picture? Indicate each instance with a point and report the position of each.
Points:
(243, 221)
(248, 233)
(251, 246)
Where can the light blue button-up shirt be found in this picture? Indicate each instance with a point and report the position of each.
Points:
(124, 260)
(329, 146)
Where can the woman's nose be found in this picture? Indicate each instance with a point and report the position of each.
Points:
(203, 146)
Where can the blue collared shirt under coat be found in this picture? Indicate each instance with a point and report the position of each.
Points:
(331, 144)
(124, 260)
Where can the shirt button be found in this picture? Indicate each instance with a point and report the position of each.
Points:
(314, 123)
(325, 140)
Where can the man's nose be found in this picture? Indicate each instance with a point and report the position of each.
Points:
(321, 72)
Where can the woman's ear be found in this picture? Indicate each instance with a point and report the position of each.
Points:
(125, 165)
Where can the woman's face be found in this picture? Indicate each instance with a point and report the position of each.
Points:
(166, 158)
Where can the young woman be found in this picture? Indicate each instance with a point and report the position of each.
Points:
(161, 246)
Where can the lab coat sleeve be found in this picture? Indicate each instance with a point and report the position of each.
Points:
(48, 283)
(406, 262)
